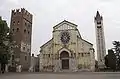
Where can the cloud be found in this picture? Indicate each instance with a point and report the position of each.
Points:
(13, 1)
(47, 13)
(107, 0)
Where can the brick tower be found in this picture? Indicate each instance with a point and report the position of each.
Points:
(21, 29)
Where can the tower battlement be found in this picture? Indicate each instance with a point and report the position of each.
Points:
(22, 12)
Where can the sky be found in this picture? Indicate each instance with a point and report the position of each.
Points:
(48, 13)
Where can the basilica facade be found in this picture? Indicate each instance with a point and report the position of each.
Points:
(66, 51)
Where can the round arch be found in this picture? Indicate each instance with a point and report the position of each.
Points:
(64, 54)
(64, 58)
(64, 50)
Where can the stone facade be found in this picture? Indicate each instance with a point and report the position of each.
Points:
(100, 40)
(66, 51)
(21, 29)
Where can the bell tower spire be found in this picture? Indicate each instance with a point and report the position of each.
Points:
(100, 39)
(98, 17)
(97, 14)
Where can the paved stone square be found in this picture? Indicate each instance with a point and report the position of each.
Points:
(81, 75)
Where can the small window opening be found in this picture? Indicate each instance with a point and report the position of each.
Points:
(18, 22)
(13, 30)
(17, 29)
(25, 57)
(24, 30)
(23, 48)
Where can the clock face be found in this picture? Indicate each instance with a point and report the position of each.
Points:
(65, 37)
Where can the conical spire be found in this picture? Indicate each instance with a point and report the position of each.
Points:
(98, 17)
(97, 14)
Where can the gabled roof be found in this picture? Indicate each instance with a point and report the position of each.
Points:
(87, 42)
(65, 22)
(46, 43)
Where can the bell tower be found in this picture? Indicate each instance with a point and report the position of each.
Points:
(21, 28)
(100, 39)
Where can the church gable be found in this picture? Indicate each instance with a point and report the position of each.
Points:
(66, 50)
(47, 43)
(65, 25)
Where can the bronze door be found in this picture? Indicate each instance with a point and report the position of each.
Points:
(65, 64)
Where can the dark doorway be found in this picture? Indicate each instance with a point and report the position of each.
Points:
(65, 64)
(64, 60)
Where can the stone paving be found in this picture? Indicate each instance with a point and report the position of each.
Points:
(80, 75)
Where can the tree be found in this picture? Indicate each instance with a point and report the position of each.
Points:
(116, 47)
(117, 53)
(4, 48)
(111, 59)
(106, 61)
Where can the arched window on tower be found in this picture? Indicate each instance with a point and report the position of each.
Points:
(13, 30)
(28, 32)
(25, 24)
(17, 29)
(24, 30)
(13, 22)
(99, 22)
(23, 48)
(13, 57)
(25, 57)
(18, 22)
